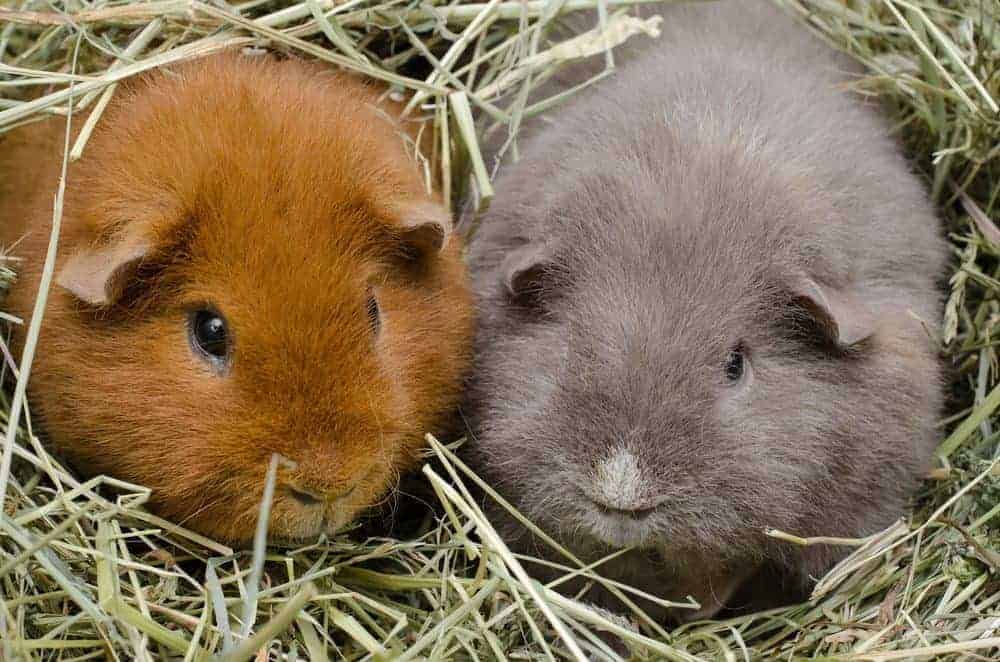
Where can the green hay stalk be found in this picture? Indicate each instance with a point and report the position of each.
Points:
(87, 573)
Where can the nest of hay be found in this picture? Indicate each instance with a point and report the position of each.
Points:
(87, 573)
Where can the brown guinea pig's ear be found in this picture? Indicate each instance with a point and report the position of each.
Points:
(524, 272)
(844, 317)
(97, 275)
(421, 231)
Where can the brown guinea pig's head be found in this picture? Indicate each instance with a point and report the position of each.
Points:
(252, 264)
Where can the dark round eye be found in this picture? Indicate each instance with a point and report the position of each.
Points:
(735, 365)
(374, 314)
(209, 334)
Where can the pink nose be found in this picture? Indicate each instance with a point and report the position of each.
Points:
(618, 484)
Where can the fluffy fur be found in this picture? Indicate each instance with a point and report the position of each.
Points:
(669, 217)
(280, 194)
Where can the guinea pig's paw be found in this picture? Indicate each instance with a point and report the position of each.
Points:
(612, 639)
(713, 585)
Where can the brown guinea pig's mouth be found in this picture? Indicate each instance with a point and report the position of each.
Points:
(311, 498)
(309, 512)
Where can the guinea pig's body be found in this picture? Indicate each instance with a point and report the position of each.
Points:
(701, 296)
(250, 263)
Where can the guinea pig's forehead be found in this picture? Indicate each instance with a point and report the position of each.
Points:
(669, 277)
(277, 269)
(658, 305)
(286, 226)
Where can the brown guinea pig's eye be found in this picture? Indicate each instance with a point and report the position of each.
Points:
(735, 365)
(374, 314)
(210, 334)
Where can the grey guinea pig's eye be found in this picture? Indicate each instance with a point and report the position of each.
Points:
(210, 335)
(735, 365)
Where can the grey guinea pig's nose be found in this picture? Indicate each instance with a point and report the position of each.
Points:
(618, 483)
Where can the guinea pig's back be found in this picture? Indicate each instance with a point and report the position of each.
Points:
(741, 92)
(24, 163)
(752, 75)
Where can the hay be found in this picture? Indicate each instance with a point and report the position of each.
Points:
(87, 573)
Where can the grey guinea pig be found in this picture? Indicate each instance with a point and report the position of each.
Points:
(703, 297)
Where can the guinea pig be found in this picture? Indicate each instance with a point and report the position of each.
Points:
(703, 298)
(250, 263)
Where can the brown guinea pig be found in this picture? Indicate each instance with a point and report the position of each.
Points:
(250, 263)
(700, 297)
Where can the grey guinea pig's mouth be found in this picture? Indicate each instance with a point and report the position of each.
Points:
(618, 528)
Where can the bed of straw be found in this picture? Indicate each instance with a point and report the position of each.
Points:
(87, 573)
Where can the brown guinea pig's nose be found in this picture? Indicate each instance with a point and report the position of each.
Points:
(309, 496)
(305, 497)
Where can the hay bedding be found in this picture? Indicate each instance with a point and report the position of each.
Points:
(86, 573)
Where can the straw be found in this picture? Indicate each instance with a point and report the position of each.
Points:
(87, 572)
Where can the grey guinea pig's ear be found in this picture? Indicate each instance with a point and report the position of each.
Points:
(523, 272)
(845, 319)
(97, 275)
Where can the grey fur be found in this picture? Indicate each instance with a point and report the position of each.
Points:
(671, 214)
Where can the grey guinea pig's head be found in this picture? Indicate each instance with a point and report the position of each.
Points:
(677, 358)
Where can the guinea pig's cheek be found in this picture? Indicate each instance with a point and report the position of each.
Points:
(735, 419)
(736, 399)
(370, 490)
(289, 520)
(391, 351)
(337, 520)
(731, 408)
(339, 515)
